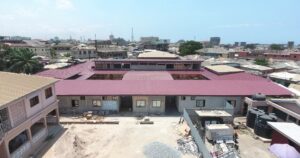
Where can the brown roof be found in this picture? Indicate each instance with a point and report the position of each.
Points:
(14, 86)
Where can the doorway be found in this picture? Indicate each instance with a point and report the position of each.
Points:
(171, 105)
(126, 103)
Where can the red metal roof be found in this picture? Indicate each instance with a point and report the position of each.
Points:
(232, 76)
(173, 87)
(82, 69)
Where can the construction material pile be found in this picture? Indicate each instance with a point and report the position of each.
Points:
(160, 150)
(187, 146)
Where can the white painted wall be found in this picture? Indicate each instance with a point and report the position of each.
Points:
(43, 102)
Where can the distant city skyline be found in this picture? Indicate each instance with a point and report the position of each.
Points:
(273, 21)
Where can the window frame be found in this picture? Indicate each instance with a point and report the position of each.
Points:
(46, 92)
(154, 103)
(32, 103)
(138, 105)
(95, 103)
(200, 100)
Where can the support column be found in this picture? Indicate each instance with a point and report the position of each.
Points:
(45, 122)
(28, 131)
(4, 150)
(57, 115)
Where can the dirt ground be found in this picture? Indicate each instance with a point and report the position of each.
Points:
(251, 147)
(128, 139)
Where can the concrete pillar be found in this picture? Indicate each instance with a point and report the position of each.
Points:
(45, 122)
(4, 153)
(28, 131)
(57, 115)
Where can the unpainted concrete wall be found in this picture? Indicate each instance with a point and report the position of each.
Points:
(210, 102)
(65, 104)
(148, 108)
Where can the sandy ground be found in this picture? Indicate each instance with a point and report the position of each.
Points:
(126, 140)
(251, 147)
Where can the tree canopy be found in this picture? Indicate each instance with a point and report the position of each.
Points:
(276, 47)
(20, 61)
(263, 62)
(189, 47)
(250, 46)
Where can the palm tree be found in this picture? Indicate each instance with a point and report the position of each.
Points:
(22, 61)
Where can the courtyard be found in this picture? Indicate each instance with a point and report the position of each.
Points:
(126, 139)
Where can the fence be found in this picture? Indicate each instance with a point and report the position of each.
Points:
(196, 135)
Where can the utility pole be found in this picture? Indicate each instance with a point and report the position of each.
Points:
(132, 37)
(96, 45)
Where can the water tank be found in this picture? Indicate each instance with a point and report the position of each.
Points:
(261, 127)
(251, 116)
(259, 97)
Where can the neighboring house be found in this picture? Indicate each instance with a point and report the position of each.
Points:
(286, 110)
(283, 55)
(114, 52)
(257, 69)
(285, 78)
(157, 86)
(154, 43)
(155, 54)
(38, 47)
(62, 48)
(28, 112)
(83, 51)
(214, 52)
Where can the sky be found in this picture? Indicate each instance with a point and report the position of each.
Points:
(253, 21)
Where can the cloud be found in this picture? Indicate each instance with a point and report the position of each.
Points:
(64, 4)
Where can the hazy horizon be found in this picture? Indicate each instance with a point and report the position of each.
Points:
(273, 21)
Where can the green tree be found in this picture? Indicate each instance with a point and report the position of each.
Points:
(189, 47)
(250, 46)
(263, 62)
(68, 55)
(276, 47)
(22, 61)
(53, 54)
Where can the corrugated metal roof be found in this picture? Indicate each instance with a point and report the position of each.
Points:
(14, 86)
(169, 87)
(223, 69)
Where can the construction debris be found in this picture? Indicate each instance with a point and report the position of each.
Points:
(146, 121)
(160, 150)
(187, 146)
